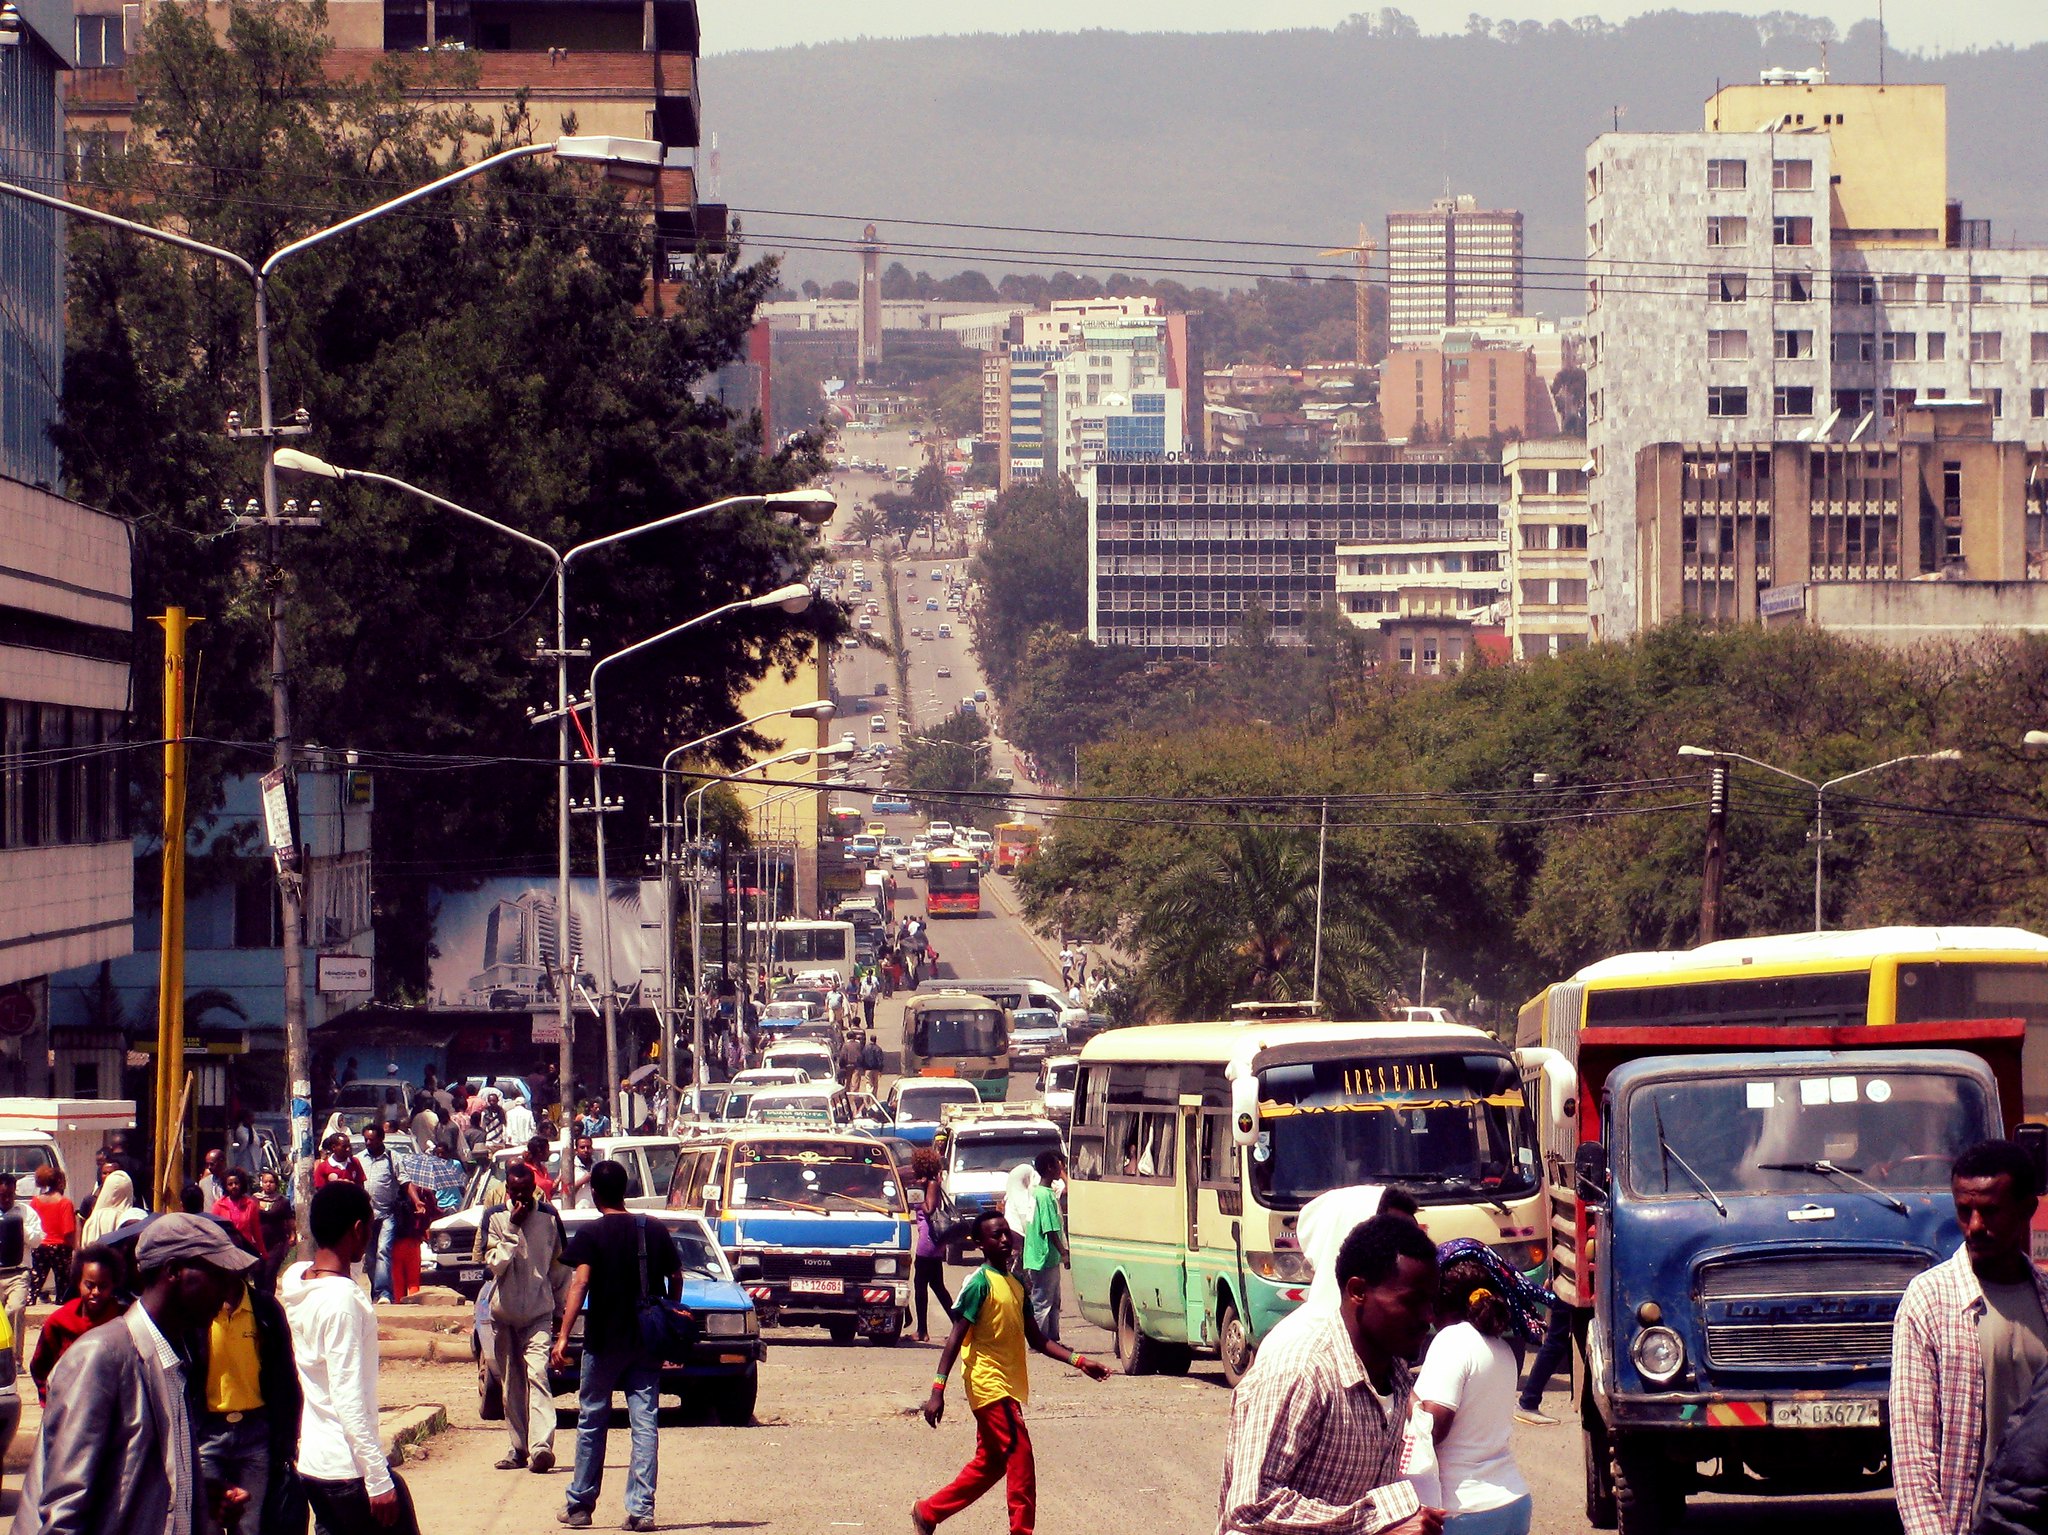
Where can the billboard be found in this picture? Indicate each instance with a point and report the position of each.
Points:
(498, 945)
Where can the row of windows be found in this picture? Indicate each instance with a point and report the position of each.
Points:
(1726, 229)
(1475, 522)
(63, 781)
(1786, 175)
(1214, 564)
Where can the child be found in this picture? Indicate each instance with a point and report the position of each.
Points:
(993, 1323)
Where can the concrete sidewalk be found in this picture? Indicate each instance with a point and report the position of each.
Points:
(398, 1428)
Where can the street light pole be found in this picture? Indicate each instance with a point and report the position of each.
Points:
(1820, 834)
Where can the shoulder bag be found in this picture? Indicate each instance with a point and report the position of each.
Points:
(668, 1328)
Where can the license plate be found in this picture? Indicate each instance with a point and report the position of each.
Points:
(817, 1287)
(470, 1276)
(1864, 1413)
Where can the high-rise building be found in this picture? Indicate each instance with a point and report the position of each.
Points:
(67, 870)
(1794, 271)
(1461, 388)
(1543, 532)
(1179, 552)
(1451, 264)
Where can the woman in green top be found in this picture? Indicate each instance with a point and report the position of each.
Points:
(1045, 1245)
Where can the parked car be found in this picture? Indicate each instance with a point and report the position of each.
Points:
(723, 1372)
(917, 1105)
(1036, 1032)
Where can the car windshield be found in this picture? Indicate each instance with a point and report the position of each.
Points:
(815, 1175)
(1000, 1153)
(1452, 1127)
(957, 1031)
(1060, 1078)
(701, 1258)
(1034, 1018)
(1767, 1133)
(923, 1105)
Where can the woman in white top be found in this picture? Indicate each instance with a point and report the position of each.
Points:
(1467, 1386)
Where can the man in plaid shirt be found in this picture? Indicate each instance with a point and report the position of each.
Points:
(1316, 1427)
(1970, 1336)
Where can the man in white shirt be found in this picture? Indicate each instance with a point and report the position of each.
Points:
(519, 1124)
(341, 1463)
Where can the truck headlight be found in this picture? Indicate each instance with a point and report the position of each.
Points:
(1286, 1267)
(442, 1241)
(884, 1267)
(728, 1324)
(1659, 1354)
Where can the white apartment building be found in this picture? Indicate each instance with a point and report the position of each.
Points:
(1061, 322)
(1115, 401)
(1543, 526)
(1795, 270)
(1438, 577)
(1451, 264)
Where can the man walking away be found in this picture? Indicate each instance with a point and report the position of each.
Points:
(381, 1182)
(519, 1124)
(334, 1339)
(21, 1233)
(1316, 1427)
(1969, 1338)
(521, 1243)
(117, 1454)
(610, 1257)
(1045, 1246)
(849, 1060)
(993, 1326)
(871, 1065)
(248, 1426)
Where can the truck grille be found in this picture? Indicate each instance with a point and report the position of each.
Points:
(776, 1265)
(1806, 1276)
(1792, 1345)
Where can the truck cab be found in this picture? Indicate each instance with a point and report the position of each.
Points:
(1752, 1219)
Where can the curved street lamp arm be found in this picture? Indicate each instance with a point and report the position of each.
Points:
(450, 506)
(454, 178)
(1771, 768)
(1879, 767)
(660, 522)
(83, 211)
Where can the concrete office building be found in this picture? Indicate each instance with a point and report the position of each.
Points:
(1940, 529)
(67, 873)
(1796, 269)
(1377, 582)
(1543, 533)
(1114, 397)
(1451, 264)
(1177, 552)
(1462, 389)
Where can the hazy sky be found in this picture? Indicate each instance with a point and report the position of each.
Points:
(732, 25)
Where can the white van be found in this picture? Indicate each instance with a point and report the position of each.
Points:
(941, 833)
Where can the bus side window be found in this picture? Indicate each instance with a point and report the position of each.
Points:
(1085, 1142)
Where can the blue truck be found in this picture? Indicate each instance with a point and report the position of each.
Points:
(1735, 1225)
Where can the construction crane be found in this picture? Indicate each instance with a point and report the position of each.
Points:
(1361, 253)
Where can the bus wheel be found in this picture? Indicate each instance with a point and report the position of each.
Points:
(1138, 1354)
(1234, 1344)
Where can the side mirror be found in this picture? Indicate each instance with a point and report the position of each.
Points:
(747, 1269)
(1591, 1168)
(2033, 1140)
(1244, 1111)
(711, 1201)
(915, 1194)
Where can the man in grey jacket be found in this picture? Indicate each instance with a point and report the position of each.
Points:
(117, 1454)
(521, 1243)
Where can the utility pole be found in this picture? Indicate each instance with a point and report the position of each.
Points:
(1716, 852)
(170, 983)
(1315, 983)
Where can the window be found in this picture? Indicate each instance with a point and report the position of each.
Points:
(2037, 289)
(1899, 346)
(1724, 345)
(101, 41)
(2038, 344)
(1727, 229)
(1852, 345)
(1791, 229)
(1792, 400)
(1727, 175)
(1854, 290)
(1936, 286)
(1986, 346)
(1896, 400)
(1790, 345)
(1792, 287)
(1572, 536)
(259, 919)
(1727, 400)
(1727, 287)
(1996, 397)
(1853, 402)
(1791, 175)
(1937, 345)
(2037, 403)
(1985, 290)
(1897, 290)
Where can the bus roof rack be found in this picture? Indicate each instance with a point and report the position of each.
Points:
(1269, 1012)
(954, 1114)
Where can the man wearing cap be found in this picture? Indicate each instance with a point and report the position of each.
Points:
(118, 1455)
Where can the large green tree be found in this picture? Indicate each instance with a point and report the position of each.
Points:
(494, 344)
(1032, 570)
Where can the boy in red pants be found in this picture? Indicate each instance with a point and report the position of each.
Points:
(993, 1322)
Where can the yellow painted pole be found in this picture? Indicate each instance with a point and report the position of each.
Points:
(170, 976)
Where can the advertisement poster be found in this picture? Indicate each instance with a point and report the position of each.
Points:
(498, 946)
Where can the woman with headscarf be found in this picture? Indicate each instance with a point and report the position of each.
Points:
(113, 1209)
(1019, 1202)
(1467, 1387)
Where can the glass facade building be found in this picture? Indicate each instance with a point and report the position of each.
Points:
(1179, 551)
(31, 256)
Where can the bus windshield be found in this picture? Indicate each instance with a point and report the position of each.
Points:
(1768, 1133)
(815, 1175)
(952, 874)
(1002, 1150)
(923, 1105)
(957, 1031)
(1451, 1127)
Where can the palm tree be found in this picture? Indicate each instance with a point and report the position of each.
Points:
(865, 525)
(1237, 923)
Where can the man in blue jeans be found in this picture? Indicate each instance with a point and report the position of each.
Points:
(606, 1258)
(385, 1188)
(1555, 1353)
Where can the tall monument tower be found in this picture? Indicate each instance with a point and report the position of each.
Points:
(870, 329)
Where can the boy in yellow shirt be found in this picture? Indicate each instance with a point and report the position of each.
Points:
(993, 1323)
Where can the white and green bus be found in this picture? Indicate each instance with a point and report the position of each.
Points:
(1195, 1146)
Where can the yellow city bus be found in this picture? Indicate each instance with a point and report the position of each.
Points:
(1880, 975)
(958, 1034)
(1016, 844)
(1195, 1146)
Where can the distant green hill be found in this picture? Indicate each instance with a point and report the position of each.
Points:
(1291, 136)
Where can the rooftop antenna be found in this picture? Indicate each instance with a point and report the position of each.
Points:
(1880, 44)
